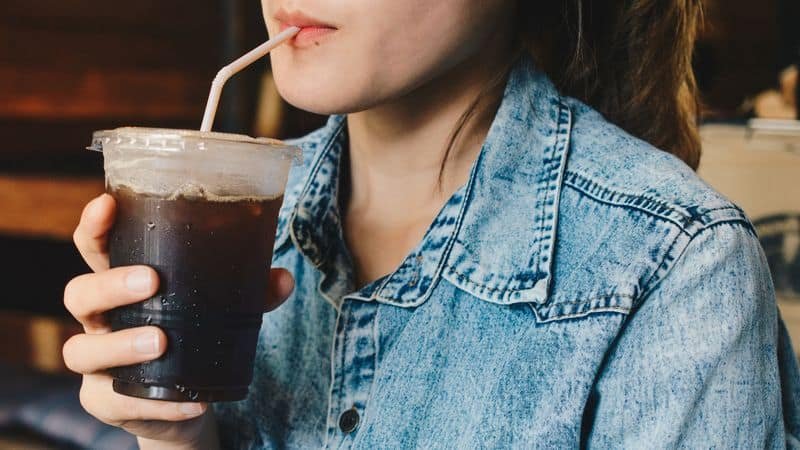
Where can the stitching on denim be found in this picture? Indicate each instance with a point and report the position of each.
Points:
(653, 281)
(563, 135)
(463, 278)
(587, 313)
(593, 299)
(329, 426)
(730, 220)
(663, 267)
(702, 214)
(311, 175)
(627, 206)
(376, 346)
(542, 190)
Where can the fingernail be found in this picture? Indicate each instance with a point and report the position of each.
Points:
(191, 409)
(138, 280)
(146, 343)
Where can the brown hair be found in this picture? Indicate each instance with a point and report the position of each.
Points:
(628, 59)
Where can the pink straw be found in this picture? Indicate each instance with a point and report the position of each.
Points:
(235, 67)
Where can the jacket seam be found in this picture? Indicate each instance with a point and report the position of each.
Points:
(685, 217)
(304, 191)
(602, 309)
(654, 280)
(469, 283)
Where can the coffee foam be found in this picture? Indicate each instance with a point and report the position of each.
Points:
(192, 191)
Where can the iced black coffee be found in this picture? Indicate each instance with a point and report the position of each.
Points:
(201, 209)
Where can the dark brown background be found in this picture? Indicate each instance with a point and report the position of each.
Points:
(70, 67)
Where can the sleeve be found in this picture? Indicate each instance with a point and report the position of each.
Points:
(697, 363)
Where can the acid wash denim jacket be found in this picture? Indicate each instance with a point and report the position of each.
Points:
(583, 289)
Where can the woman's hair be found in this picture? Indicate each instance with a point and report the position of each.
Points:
(629, 59)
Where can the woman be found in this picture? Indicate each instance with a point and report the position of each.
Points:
(481, 259)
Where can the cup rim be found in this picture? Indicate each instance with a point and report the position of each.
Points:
(178, 140)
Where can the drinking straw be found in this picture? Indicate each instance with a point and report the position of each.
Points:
(233, 68)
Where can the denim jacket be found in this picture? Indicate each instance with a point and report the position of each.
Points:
(582, 289)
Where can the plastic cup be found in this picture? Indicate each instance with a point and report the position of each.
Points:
(201, 209)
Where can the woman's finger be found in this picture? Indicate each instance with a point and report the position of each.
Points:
(99, 399)
(90, 236)
(90, 353)
(281, 285)
(88, 296)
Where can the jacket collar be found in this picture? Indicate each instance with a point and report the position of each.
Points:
(493, 238)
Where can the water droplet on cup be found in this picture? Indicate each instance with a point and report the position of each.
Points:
(150, 225)
(193, 395)
(188, 227)
(147, 320)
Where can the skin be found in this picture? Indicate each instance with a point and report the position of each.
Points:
(403, 93)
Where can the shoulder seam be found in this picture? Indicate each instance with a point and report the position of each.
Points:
(669, 262)
(688, 219)
(625, 200)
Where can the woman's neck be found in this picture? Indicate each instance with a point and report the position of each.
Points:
(397, 149)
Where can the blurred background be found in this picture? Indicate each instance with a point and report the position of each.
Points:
(69, 68)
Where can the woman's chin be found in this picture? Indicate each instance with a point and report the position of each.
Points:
(321, 101)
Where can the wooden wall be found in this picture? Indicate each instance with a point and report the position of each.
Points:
(70, 67)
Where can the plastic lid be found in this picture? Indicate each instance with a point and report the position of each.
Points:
(173, 140)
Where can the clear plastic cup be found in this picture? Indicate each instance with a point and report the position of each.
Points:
(201, 209)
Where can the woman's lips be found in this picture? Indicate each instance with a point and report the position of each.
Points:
(312, 31)
(308, 35)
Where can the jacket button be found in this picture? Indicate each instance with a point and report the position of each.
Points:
(348, 421)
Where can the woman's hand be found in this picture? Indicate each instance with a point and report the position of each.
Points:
(87, 297)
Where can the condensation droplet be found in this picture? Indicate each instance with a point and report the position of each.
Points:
(188, 227)
(151, 225)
